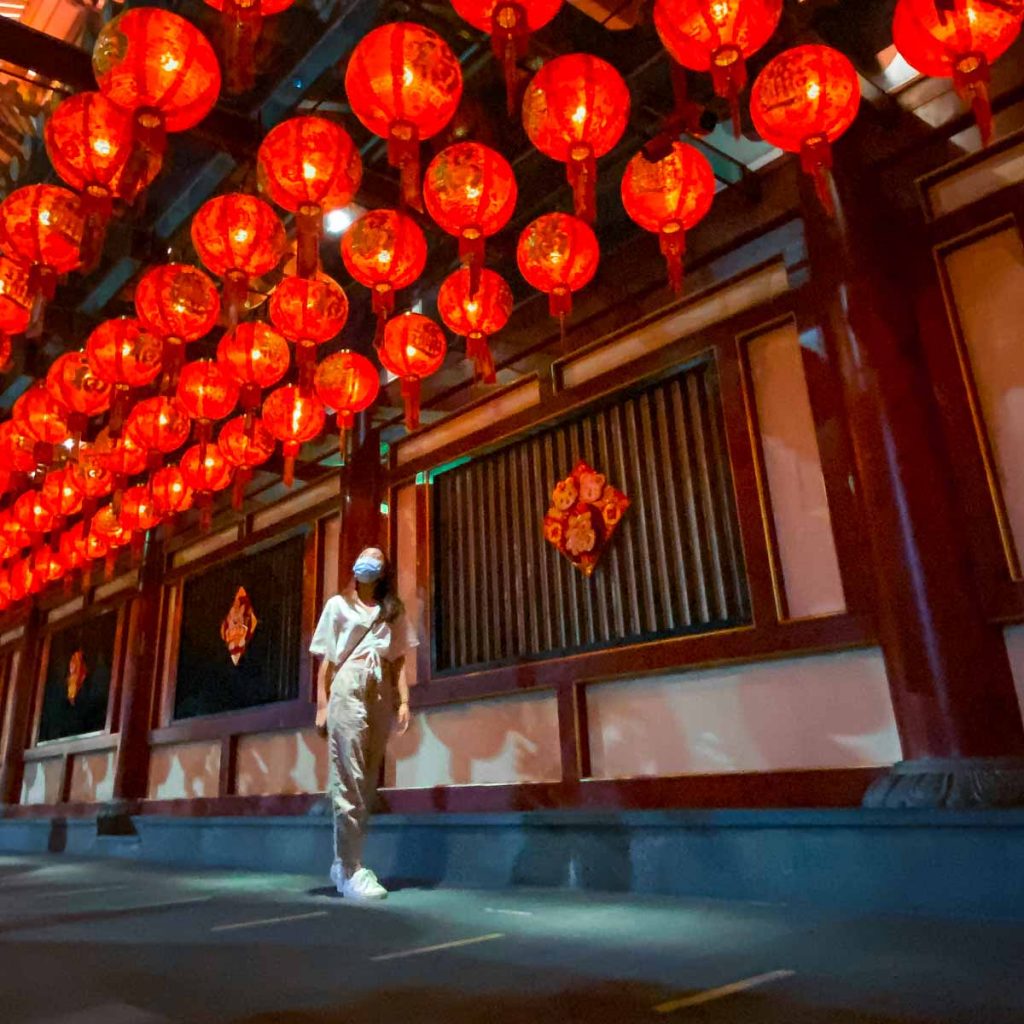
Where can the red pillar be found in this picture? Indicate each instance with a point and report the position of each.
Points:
(361, 521)
(19, 711)
(952, 690)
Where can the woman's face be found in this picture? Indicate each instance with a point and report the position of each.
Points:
(369, 566)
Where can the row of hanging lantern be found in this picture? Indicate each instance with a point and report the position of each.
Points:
(158, 74)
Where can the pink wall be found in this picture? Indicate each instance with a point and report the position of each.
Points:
(92, 777)
(281, 762)
(41, 782)
(184, 770)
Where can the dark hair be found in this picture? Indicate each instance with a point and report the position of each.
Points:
(385, 593)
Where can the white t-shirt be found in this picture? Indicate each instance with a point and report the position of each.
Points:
(346, 624)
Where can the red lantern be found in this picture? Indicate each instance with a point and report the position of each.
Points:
(107, 534)
(412, 349)
(89, 143)
(60, 495)
(122, 457)
(158, 426)
(242, 23)
(208, 394)
(245, 447)
(254, 356)
(404, 84)
(668, 197)
(48, 565)
(575, 110)
(42, 419)
(157, 66)
(717, 37)
(470, 191)
(308, 165)
(16, 450)
(6, 592)
(138, 515)
(122, 353)
(958, 39)
(24, 580)
(238, 237)
(308, 312)
(205, 471)
(73, 549)
(71, 381)
(91, 474)
(802, 101)
(179, 304)
(509, 23)
(384, 250)
(348, 383)
(558, 254)
(41, 228)
(33, 516)
(476, 315)
(14, 535)
(293, 418)
(171, 492)
(15, 303)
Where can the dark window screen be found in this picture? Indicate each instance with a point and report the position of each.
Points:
(84, 654)
(675, 566)
(208, 681)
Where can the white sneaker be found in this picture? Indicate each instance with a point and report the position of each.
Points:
(363, 885)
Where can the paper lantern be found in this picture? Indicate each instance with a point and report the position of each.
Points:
(14, 536)
(41, 228)
(40, 418)
(161, 69)
(802, 101)
(16, 450)
(72, 382)
(717, 37)
(254, 356)
(309, 165)
(558, 254)
(124, 354)
(476, 315)
(91, 475)
(668, 197)
(348, 383)
(178, 303)
(958, 40)
(6, 594)
(72, 547)
(242, 23)
(24, 581)
(206, 471)
(109, 535)
(15, 303)
(33, 515)
(48, 565)
(245, 446)
(404, 84)
(171, 492)
(293, 418)
(470, 191)
(413, 348)
(384, 250)
(238, 237)
(138, 515)
(509, 25)
(123, 457)
(575, 110)
(208, 394)
(89, 142)
(308, 312)
(60, 495)
(158, 426)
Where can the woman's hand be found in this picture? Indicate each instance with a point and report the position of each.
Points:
(402, 720)
(321, 719)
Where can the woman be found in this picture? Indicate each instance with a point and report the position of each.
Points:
(363, 637)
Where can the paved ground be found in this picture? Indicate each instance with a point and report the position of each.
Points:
(115, 943)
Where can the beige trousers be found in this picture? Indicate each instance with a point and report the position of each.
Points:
(360, 714)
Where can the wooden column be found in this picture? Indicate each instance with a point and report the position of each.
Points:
(952, 690)
(131, 765)
(19, 712)
(361, 521)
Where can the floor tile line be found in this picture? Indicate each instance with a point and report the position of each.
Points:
(440, 946)
(711, 994)
(268, 920)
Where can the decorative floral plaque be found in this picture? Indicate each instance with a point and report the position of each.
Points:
(77, 672)
(239, 625)
(585, 512)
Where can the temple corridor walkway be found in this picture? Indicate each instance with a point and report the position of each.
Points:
(120, 943)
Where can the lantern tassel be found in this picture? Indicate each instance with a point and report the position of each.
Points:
(97, 207)
(729, 77)
(308, 225)
(816, 160)
(673, 246)
(236, 293)
(305, 358)
(344, 422)
(242, 477)
(471, 255)
(970, 79)
(411, 398)
(404, 153)
(582, 174)
(242, 26)
(109, 564)
(509, 36)
(479, 351)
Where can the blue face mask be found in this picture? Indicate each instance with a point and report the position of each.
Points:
(368, 569)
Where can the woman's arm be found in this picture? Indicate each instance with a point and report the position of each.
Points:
(402, 683)
(324, 678)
